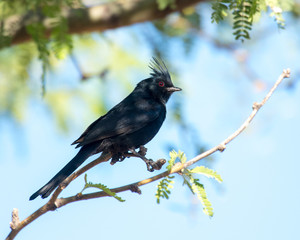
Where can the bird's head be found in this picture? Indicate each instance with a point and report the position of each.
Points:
(159, 85)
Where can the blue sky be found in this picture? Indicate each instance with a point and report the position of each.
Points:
(259, 198)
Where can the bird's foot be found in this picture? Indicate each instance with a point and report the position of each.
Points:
(155, 165)
(142, 150)
(151, 165)
(117, 158)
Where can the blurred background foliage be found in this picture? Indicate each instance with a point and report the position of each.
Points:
(82, 70)
(63, 82)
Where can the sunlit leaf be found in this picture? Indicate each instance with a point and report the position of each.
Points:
(101, 187)
(163, 188)
(207, 172)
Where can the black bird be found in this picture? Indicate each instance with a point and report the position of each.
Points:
(129, 125)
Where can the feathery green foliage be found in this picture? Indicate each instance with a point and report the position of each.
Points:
(207, 172)
(101, 187)
(173, 156)
(220, 11)
(35, 13)
(243, 12)
(181, 156)
(163, 188)
(197, 188)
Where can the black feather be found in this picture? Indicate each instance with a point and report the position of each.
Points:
(159, 69)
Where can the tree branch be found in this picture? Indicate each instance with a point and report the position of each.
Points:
(16, 226)
(54, 202)
(99, 18)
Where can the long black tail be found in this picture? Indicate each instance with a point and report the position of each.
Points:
(85, 152)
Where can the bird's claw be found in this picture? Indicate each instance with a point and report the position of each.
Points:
(116, 158)
(142, 150)
(152, 165)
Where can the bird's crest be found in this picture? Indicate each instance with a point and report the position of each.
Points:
(159, 69)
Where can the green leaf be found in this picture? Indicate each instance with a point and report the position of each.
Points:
(163, 188)
(219, 11)
(207, 172)
(187, 182)
(101, 187)
(242, 11)
(181, 156)
(199, 190)
(173, 155)
(243, 16)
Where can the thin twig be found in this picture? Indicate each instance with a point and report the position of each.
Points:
(55, 202)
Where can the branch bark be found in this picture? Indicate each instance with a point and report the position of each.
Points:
(99, 18)
(55, 202)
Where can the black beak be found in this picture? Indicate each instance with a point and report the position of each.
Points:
(173, 89)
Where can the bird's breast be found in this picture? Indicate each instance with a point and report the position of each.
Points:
(141, 136)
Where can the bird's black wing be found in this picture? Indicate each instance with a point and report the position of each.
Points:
(124, 118)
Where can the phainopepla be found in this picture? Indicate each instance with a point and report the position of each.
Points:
(129, 125)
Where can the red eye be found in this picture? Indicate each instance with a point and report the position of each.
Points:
(161, 84)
